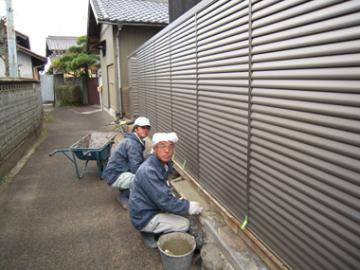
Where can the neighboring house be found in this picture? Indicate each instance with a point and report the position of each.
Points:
(29, 63)
(115, 29)
(57, 45)
(179, 7)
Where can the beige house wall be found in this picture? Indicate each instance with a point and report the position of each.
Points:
(120, 42)
(109, 83)
(131, 38)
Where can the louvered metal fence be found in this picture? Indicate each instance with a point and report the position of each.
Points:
(265, 97)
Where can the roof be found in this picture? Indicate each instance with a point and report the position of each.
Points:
(131, 11)
(60, 43)
(22, 39)
(37, 60)
(32, 54)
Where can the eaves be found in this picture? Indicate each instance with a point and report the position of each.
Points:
(122, 23)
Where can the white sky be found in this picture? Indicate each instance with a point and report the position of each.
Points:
(41, 18)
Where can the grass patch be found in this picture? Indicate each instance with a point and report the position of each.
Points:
(47, 118)
(4, 180)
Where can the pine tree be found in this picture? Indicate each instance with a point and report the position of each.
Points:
(76, 61)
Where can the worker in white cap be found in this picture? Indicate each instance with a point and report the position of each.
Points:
(153, 207)
(126, 159)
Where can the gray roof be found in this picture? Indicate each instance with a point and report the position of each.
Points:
(131, 11)
(60, 43)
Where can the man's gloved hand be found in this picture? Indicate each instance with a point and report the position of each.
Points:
(195, 208)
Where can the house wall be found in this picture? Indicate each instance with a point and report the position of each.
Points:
(179, 7)
(131, 38)
(109, 97)
(265, 100)
(25, 65)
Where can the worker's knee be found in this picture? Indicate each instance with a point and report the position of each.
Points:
(182, 225)
(166, 222)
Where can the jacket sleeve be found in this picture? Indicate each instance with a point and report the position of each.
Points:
(135, 157)
(160, 194)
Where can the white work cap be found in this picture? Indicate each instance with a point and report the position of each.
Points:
(161, 137)
(142, 122)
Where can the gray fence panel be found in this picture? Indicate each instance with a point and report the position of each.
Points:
(163, 84)
(47, 88)
(223, 65)
(141, 67)
(265, 98)
(183, 93)
(149, 87)
(305, 143)
(133, 87)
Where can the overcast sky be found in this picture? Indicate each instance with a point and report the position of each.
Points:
(41, 18)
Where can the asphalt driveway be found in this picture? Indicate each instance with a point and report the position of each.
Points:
(51, 220)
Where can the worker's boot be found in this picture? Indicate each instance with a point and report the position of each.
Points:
(123, 198)
(149, 239)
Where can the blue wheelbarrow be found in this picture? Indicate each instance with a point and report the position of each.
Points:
(93, 146)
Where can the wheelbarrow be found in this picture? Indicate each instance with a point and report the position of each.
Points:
(93, 146)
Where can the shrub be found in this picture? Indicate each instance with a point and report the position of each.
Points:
(68, 95)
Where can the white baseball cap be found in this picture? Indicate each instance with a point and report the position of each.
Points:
(142, 122)
(161, 137)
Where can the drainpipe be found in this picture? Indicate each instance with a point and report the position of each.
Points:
(11, 40)
(119, 113)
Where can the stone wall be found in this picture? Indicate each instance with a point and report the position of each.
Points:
(20, 115)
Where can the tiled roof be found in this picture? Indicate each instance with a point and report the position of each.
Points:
(131, 11)
(60, 43)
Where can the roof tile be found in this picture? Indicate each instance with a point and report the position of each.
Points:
(131, 11)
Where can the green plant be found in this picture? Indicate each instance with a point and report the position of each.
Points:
(76, 61)
(68, 95)
(47, 118)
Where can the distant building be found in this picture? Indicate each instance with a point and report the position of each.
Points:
(115, 29)
(57, 45)
(29, 63)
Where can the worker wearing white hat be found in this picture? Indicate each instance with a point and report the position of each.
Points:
(125, 161)
(153, 207)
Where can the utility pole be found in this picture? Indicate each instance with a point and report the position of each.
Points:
(11, 39)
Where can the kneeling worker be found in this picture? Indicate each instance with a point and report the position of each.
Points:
(126, 159)
(153, 207)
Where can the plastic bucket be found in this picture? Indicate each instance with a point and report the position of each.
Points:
(176, 250)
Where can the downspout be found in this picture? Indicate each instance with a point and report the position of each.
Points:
(119, 112)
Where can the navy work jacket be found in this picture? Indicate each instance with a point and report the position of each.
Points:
(151, 195)
(127, 157)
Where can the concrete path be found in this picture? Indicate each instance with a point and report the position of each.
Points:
(51, 220)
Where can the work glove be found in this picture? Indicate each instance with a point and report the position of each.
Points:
(195, 208)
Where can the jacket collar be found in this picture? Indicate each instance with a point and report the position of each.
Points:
(158, 164)
(134, 136)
